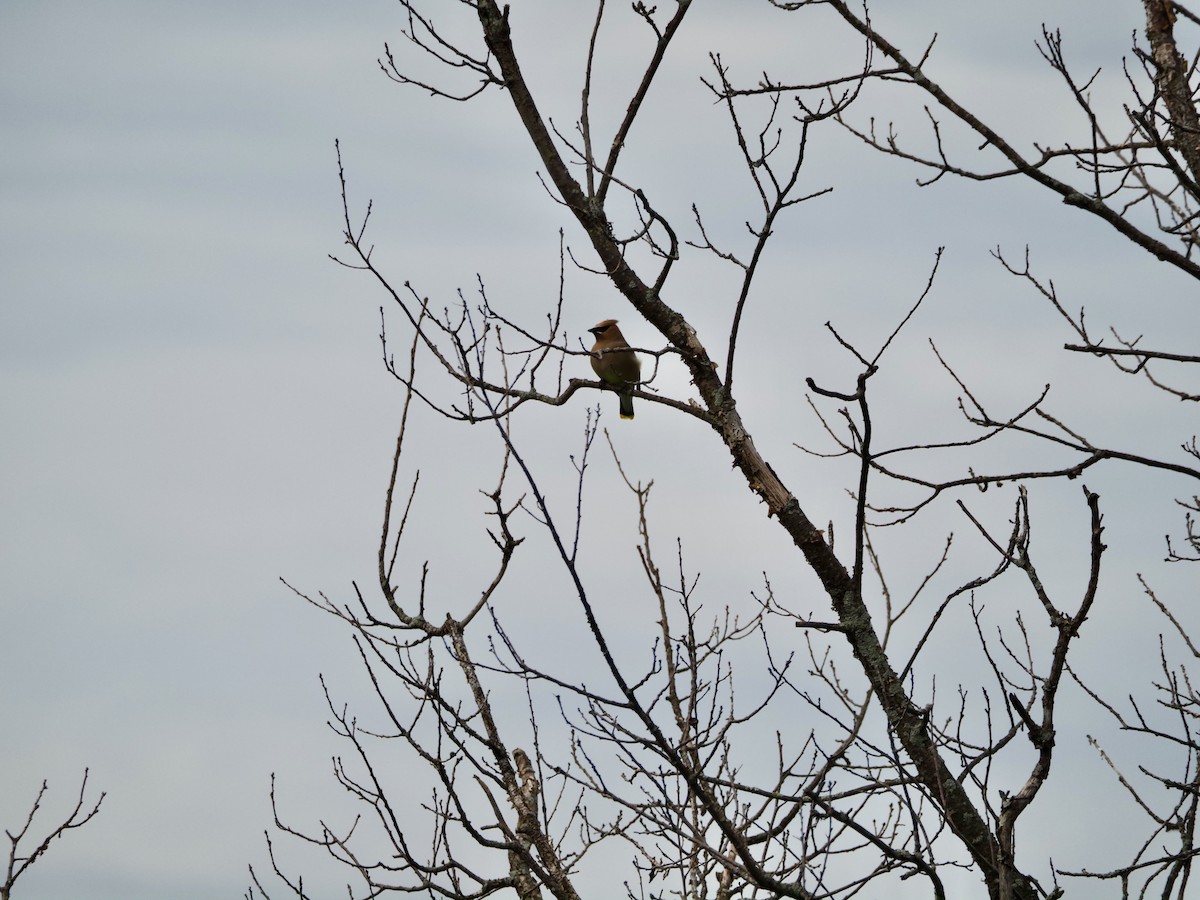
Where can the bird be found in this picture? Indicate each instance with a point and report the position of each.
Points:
(616, 363)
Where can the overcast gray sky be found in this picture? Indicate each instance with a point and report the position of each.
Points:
(193, 403)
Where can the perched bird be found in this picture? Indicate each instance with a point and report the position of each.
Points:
(616, 363)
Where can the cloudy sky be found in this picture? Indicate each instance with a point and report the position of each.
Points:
(194, 405)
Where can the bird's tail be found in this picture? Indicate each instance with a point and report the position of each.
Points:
(626, 406)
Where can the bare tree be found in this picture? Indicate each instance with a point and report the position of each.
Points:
(19, 861)
(721, 761)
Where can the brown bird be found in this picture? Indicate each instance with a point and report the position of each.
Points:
(616, 363)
